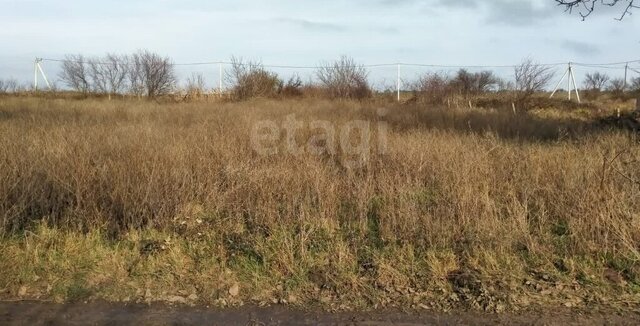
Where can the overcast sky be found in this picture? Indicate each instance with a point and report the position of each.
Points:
(450, 32)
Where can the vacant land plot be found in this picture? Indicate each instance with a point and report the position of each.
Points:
(338, 204)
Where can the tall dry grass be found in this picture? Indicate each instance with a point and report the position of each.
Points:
(484, 192)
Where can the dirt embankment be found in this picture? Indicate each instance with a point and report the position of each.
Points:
(33, 313)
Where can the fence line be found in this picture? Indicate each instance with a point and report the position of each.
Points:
(620, 65)
(407, 64)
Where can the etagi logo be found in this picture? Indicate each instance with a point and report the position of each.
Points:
(351, 141)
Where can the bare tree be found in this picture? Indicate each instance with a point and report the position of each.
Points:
(587, 7)
(157, 73)
(469, 83)
(531, 78)
(150, 74)
(108, 74)
(616, 86)
(344, 78)
(97, 76)
(486, 81)
(506, 85)
(595, 81)
(635, 84)
(464, 81)
(12, 85)
(134, 75)
(75, 73)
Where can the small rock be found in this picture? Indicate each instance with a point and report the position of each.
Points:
(176, 299)
(193, 297)
(614, 276)
(234, 290)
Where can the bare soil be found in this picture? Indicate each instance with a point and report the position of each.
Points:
(102, 313)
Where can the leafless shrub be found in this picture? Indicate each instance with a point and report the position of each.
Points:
(616, 87)
(486, 81)
(250, 80)
(634, 86)
(151, 74)
(195, 85)
(506, 85)
(12, 85)
(108, 74)
(595, 81)
(468, 83)
(293, 87)
(463, 81)
(530, 78)
(75, 73)
(135, 81)
(433, 87)
(344, 78)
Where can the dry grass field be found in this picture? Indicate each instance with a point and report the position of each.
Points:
(445, 208)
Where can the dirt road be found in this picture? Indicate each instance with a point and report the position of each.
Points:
(33, 313)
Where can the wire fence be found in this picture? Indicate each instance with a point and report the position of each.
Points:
(398, 76)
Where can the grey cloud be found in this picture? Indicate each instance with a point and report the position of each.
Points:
(517, 12)
(504, 12)
(581, 47)
(332, 27)
(394, 3)
(470, 4)
(313, 25)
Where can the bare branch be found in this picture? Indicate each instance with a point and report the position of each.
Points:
(586, 7)
(531, 78)
(75, 73)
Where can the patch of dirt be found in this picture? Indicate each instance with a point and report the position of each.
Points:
(629, 121)
(97, 313)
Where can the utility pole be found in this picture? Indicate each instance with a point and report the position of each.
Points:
(575, 86)
(569, 82)
(220, 79)
(38, 68)
(571, 78)
(35, 75)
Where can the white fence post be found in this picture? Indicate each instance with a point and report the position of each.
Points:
(398, 82)
(220, 79)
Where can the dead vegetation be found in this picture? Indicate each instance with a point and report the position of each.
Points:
(477, 208)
